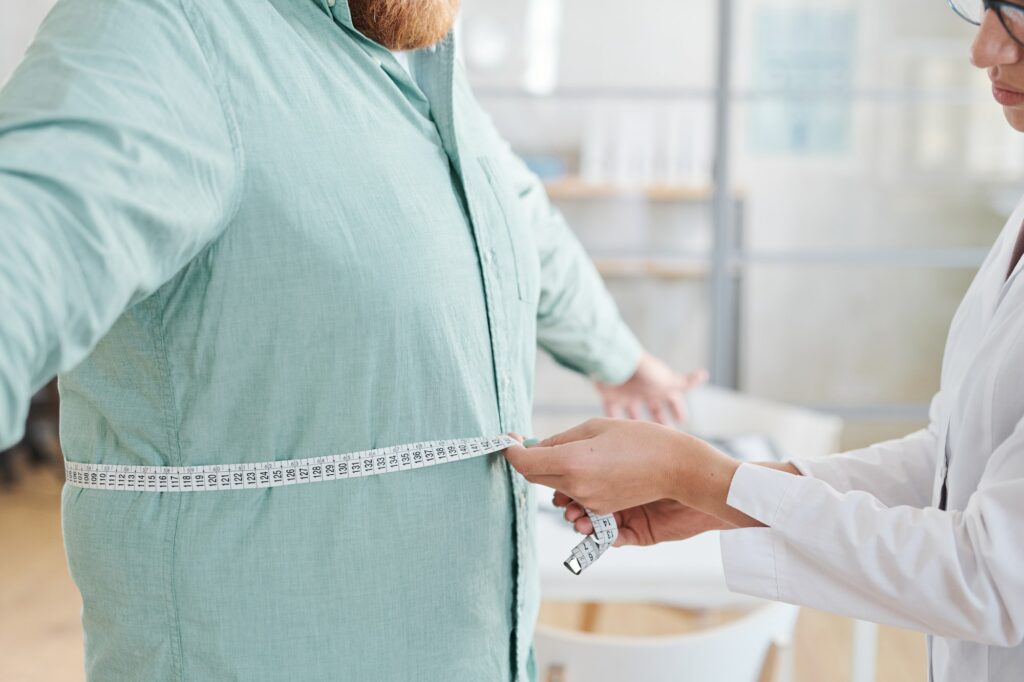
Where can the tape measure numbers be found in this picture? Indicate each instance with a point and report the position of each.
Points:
(594, 545)
(257, 475)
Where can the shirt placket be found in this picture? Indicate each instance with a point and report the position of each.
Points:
(435, 79)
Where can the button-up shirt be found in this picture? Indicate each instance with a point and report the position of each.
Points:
(243, 232)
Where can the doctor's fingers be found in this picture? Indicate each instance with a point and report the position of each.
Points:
(584, 431)
(538, 461)
(554, 482)
(574, 511)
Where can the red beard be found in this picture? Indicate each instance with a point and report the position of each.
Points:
(404, 24)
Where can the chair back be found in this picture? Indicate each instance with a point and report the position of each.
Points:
(734, 652)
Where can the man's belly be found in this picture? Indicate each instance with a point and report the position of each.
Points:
(404, 576)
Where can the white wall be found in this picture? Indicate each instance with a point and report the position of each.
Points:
(912, 172)
(18, 22)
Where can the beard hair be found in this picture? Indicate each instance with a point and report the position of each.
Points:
(404, 24)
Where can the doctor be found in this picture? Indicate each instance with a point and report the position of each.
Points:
(925, 532)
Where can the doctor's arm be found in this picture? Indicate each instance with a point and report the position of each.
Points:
(798, 539)
(948, 573)
(109, 183)
(899, 471)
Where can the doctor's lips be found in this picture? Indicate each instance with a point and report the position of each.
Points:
(1007, 96)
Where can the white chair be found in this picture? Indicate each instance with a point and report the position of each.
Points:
(734, 652)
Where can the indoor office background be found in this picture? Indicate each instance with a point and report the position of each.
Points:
(806, 234)
(792, 193)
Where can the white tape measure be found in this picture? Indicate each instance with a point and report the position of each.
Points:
(256, 475)
(594, 545)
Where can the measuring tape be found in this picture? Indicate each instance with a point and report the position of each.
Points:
(594, 545)
(257, 475)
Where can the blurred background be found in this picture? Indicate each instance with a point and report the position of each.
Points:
(792, 193)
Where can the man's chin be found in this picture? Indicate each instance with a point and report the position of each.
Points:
(408, 46)
(403, 25)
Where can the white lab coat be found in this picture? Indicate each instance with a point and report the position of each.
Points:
(861, 533)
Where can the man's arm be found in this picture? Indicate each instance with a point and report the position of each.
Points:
(117, 166)
(578, 323)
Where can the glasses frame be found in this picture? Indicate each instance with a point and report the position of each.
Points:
(996, 6)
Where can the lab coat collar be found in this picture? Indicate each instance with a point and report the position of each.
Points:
(992, 282)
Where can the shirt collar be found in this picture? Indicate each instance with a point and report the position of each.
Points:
(338, 9)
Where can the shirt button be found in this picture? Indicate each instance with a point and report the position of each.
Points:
(330, 3)
(488, 257)
(506, 380)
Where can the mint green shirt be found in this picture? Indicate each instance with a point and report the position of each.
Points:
(243, 232)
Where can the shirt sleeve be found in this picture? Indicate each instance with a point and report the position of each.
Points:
(949, 573)
(896, 472)
(118, 165)
(578, 323)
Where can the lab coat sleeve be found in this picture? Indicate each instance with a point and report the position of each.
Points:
(117, 166)
(896, 472)
(949, 573)
(578, 323)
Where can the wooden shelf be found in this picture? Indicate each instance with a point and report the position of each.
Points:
(673, 269)
(575, 188)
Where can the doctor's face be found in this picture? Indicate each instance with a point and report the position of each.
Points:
(404, 24)
(996, 51)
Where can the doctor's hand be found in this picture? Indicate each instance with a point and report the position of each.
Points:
(647, 524)
(614, 464)
(609, 465)
(655, 388)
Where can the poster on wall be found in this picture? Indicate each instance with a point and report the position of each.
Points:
(803, 66)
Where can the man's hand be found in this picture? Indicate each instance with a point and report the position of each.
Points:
(654, 387)
(648, 524)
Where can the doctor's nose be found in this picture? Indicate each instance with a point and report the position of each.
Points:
(993, 45)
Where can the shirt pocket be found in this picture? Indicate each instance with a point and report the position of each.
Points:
(520, 242)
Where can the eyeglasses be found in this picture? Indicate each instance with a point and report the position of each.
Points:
(1011, 14)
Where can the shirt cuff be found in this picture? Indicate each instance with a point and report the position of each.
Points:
(824, 468)
(760, 492)
(752, 557)
(749, 562)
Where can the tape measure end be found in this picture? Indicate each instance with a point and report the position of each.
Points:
(573, 565)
